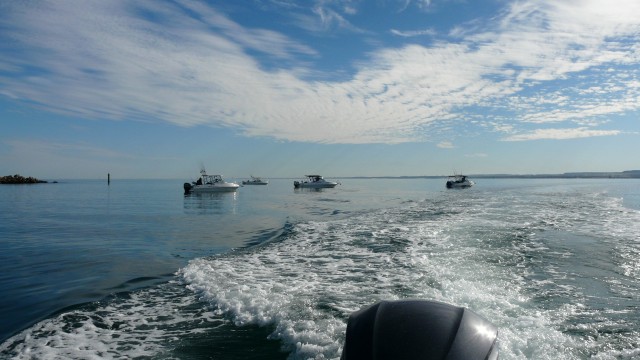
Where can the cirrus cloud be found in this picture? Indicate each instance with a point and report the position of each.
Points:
(190, 64)
(560, 134)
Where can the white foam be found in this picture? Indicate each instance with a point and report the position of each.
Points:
(146, 324)
(477, 254)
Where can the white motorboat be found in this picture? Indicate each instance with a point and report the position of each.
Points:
(314, 181)
(459, 182)
(255, 181)
(209, 183)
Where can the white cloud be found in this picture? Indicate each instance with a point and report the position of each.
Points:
(560, 134)
(427, 32)
(446, 145)
(99, 60)
(331, 19)
(423, 4)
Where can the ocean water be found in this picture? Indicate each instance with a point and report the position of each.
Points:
(138, 270)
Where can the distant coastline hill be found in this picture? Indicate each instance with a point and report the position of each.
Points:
(628, 174)
(18, 179)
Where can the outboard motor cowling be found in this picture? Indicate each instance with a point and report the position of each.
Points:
(419, 330)
(187, 188)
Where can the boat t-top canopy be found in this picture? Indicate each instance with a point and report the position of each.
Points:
(209, 179)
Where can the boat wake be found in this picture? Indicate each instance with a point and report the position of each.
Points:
(516, 261)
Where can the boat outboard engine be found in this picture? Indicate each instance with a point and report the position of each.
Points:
(187, 188)
(419, 330)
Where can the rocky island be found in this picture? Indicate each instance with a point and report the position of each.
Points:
(18, 179)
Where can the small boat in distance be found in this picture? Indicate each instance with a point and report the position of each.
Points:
(459, 182)
(314, 181)
(255, 181)
(209, 184)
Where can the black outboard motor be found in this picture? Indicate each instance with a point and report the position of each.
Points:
(187, 188)
(419, 330)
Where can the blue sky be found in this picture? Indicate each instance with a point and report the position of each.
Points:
(156, 89)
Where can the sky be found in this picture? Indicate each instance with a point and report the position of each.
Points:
(283, 88)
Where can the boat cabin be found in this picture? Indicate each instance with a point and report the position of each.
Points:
(314, 178)
(209, 179)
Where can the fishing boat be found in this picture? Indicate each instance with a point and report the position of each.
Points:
(209, 184)
(314, 181)
(255, 181)
(459, 182)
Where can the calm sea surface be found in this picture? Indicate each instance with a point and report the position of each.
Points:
(138, 270)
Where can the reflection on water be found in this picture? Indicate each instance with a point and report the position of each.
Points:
(211, 203)
(301, 190)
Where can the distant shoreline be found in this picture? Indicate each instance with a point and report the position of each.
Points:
(629, 174)
(18, 179)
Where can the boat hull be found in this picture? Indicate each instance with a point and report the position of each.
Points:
(459, 186)
(254, 183)
(314, 185)
(454, 185)
(214, 188)
(210, 188)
